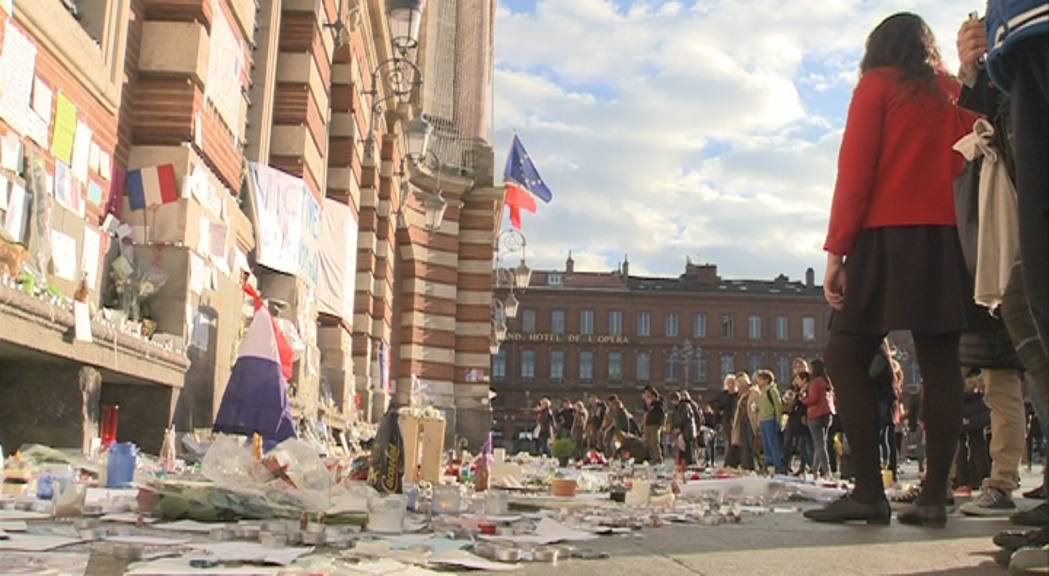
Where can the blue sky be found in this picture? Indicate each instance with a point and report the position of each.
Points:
(686, 129)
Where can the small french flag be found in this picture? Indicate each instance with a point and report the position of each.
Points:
(152, 186)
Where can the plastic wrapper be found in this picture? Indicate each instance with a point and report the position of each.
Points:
(150, 280)
(290, 480)
(387, 461)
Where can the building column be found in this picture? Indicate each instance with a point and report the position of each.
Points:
(64, 413)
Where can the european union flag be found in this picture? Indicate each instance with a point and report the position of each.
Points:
(521, 171)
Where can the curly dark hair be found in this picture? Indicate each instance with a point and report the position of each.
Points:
(905, 42)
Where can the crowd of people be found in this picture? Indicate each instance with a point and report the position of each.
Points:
(939, 226)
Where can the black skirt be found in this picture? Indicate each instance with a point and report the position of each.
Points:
(904, 278)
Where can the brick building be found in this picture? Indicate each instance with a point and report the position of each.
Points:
(219, 91)
(577, 333)
(612, 333)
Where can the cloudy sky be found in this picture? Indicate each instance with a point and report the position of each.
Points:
(702, 128)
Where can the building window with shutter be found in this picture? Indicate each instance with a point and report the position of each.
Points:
(586, 366)
(782, 328)
(557, 365)
(557, 322)
(528, 321)
(728, 327)
(615, 366)
(754, 323)
(808, 328)
(644, 372)
(586, 322)
(699, 326)
(644, 324)
(528, 365)
(615, 323)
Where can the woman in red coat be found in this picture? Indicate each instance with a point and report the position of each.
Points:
(893, 258)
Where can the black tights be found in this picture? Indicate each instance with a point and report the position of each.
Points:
(848, 359)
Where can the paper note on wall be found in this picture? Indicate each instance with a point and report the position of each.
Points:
(15, 217)
(94, 193)
(11, 150)
(3, 192)
(197, 274)
(17, 73)
(91, 255)
(105, 168)
(82, 321)
(65, 129)
(43, 100)
(63, 255)
(38, 124)
(81, 152)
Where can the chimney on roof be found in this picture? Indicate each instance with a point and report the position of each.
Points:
(810, 278)
(625, 268)
(703, 273)
(569, 264)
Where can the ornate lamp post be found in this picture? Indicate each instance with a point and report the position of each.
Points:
(516, 279)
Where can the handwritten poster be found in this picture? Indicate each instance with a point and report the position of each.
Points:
(278, 199)
(63, 255)
(224, 69)
(17, 73)
(81, 151)
(65, 129)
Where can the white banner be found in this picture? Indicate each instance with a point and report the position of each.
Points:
(338, 261)
(277, 200)
(225, 63)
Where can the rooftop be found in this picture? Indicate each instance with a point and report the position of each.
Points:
(697, 278)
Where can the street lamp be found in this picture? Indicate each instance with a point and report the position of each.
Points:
(404, 16)
(512, 279)
(417, 133)
(685, 354)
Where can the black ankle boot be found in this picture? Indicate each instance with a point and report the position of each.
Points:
(928, 515)
(846, 509)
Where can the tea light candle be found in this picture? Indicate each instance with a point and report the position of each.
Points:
(313, 538)
(386, 515)
(496, 503)
(273, 540)
(446, 499)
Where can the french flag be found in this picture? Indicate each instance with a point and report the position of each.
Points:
(256, 398)
(152, 186)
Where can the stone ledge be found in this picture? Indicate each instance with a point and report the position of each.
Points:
(34, 325)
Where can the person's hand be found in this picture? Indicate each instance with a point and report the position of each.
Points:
(972, 45)
(834, 282)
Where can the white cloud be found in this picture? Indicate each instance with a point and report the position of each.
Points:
(704, 128)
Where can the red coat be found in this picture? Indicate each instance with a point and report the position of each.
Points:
(817, 399)
(897, 165)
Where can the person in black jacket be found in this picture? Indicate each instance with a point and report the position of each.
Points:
(796, 435)
(1002, 344)
(655, 419)
(683, 424)
(725, 407)
(972, 463)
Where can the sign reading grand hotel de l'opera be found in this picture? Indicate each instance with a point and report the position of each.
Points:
(602, 339)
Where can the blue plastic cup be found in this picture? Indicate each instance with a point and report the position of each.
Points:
(120, 470)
